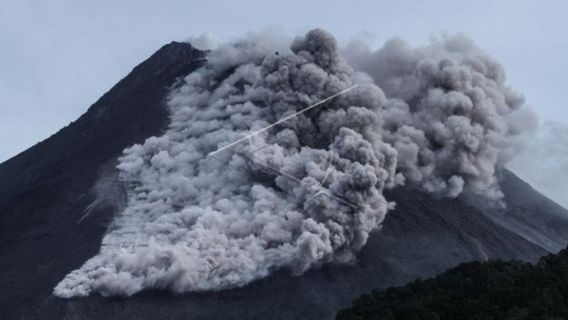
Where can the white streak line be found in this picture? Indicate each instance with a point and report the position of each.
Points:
(327, 193)
(89, 209)
(325, 177)
(263, 147)
(282, 120)
(323, 190)
(271, 167)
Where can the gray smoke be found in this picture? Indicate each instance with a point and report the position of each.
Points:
(450, 115)
(310, 190)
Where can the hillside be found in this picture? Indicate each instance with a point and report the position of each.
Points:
(490, 290)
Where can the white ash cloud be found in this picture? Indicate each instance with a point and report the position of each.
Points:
(205, 41)
(308, 191)
(200, 223)
(450, 114)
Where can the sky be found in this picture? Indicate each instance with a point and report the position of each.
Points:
(58, 57)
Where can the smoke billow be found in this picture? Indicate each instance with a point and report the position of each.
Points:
(308, 191)
(450, 115)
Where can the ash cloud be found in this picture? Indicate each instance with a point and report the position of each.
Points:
(308, 191)
(205, 41)
(450, 114)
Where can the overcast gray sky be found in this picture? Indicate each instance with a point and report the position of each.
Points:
(57, 57)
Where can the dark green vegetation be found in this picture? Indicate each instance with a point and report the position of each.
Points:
(491, 290)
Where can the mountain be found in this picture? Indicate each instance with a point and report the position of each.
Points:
(490, 290)
(530, 214)
(58, 197)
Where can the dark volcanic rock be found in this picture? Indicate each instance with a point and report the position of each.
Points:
(531, 214)
(45, 192)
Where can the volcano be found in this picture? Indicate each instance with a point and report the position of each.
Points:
(58, 198)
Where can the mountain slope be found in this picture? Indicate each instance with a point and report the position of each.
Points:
(51, 222)
(531, 214)
(44, 191)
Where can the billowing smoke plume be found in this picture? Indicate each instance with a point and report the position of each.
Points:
(450, 115)
(310, 190)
